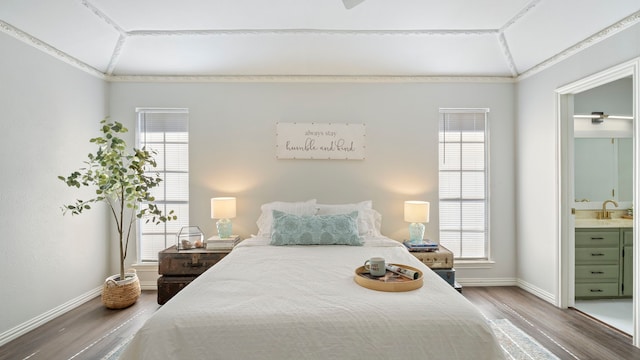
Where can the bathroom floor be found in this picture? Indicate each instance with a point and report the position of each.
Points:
(615, 312)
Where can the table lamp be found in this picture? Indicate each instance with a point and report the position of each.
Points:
(417, 213)
(224, 209)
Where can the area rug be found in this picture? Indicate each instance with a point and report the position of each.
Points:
(515, 343)
(115, 353)
(518, 345)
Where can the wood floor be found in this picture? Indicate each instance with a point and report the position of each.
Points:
(567, 333)
(91, 331)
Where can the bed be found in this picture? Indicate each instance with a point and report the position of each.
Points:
(266, 301)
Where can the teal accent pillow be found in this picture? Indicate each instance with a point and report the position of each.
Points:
(338, 229)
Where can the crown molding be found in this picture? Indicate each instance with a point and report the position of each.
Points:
(507, 54)
(310, 79)
(520, 14)
(102, 16)
(621, 25)
(44, 47)
(327, 32)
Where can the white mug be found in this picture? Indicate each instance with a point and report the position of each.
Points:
(376, 266)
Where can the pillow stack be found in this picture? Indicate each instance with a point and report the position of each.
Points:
(309, 223)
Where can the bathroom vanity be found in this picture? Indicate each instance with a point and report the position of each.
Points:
(603, 258)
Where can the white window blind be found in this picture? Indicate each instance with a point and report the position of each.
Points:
(463, 182)
(166, 131)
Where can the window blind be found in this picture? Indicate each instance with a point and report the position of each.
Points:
(165, 131)
(463, 182)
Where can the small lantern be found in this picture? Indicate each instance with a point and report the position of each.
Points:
(190, 237)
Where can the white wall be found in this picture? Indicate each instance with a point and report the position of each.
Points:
(537, 170)
(614, 98)
(232, 148)
(49, 111)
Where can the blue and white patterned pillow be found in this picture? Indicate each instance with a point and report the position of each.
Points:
(338, 229)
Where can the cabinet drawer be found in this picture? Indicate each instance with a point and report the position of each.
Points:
(597, 255)
(587, 273)
(627, 237)
(598, 238)
(606, 289)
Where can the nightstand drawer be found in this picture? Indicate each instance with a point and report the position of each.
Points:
(439, 259)
(597, 255)
(168, 286)
(187, 262)
(598, 238)
(605, 289)
(448, 275)
(588, 273)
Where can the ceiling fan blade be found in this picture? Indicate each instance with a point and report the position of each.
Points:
(349, 4)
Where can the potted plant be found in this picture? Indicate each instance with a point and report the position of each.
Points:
(121, 180)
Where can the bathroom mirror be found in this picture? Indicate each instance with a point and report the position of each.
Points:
(603, 169)
(603, 150)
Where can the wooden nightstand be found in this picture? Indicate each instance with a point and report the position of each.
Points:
(441, 262)
(179, 268)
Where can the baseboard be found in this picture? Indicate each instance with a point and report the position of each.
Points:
(487, 282)
(542, 294)
(41, 319)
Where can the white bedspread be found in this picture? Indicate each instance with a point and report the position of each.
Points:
(301, 302)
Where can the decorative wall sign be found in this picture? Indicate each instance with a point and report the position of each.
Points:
(320, 141)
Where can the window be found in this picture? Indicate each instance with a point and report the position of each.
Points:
(166, 131)
(463, 182)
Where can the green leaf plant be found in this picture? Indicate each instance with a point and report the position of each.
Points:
(121, 179)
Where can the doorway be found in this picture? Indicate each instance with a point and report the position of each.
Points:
(573, 204)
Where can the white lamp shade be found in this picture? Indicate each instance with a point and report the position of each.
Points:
(223, 208)
(416, 211)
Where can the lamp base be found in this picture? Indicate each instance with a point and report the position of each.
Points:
(224, 228)
(416, 233)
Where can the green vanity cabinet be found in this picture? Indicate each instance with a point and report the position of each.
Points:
(597, 263)
(601, 269)
(626, 287)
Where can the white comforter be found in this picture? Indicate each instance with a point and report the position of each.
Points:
(301, 302)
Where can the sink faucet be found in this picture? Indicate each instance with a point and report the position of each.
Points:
(604, 214)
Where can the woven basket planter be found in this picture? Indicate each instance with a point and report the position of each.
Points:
(119, 294)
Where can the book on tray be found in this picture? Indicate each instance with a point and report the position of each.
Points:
(424, 245)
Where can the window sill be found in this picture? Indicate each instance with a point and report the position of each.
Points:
(145, 267)
(473, 264)
(145, 264)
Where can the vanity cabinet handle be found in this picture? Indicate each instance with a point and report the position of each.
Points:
(597, 272)
(596, 290)
(597, 254)
(597, 238)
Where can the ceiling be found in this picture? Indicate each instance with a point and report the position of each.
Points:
(424, 38)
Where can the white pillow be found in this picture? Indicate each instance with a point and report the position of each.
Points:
(296, 208)
(327, 209)
(369, 220)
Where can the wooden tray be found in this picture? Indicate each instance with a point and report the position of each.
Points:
(389, 282)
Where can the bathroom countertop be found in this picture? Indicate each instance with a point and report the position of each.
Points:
(605, 223)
